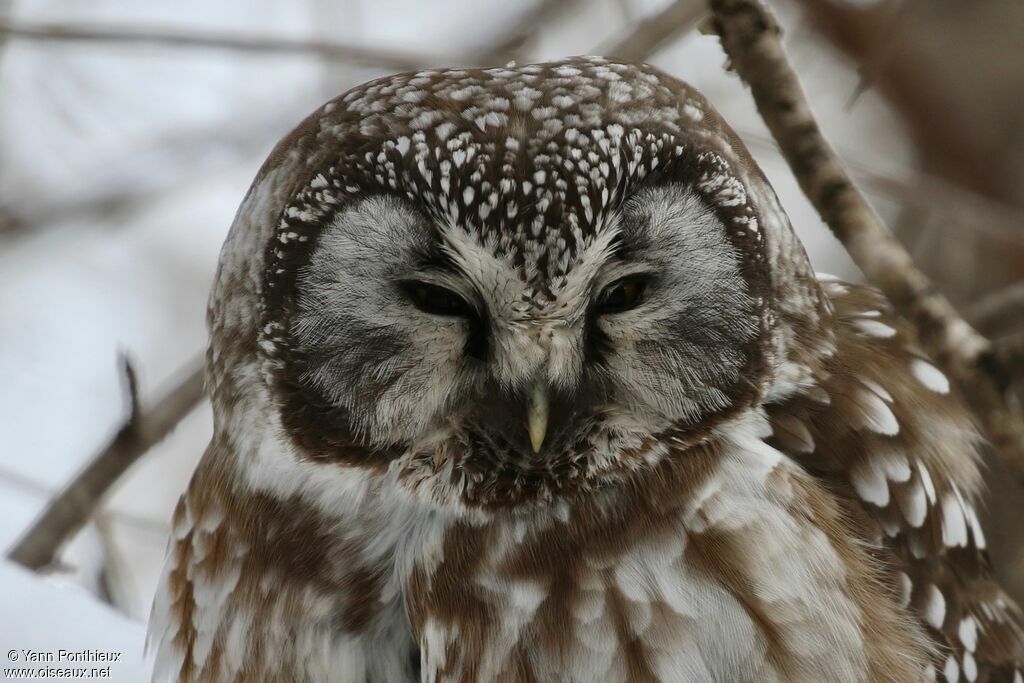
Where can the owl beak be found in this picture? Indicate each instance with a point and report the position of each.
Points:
(537, 416)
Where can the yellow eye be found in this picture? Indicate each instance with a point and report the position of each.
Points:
(622, 295)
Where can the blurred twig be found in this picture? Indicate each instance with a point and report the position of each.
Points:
(751, 38)
(399, 60)
(999, 310)
(646, 36)
(504, 48)
(876, 35)
(76, 504)
(188, 147)
(955, 203)
(16, 480)
(513, 39)
(114, 578)
(191, 148)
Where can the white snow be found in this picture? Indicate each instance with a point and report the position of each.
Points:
(45, 617)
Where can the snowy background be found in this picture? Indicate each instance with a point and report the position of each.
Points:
(121, 167)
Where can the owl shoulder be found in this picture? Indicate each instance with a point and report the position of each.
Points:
(883, 427)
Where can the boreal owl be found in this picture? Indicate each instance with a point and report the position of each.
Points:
(520, 374)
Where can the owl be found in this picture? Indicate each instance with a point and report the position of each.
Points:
(521, 374)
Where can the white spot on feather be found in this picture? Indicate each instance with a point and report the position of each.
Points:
(930, 376)
(970, 667)
(968, 633)
(873, 328)
(896, 466)
(911, 500)
(906, 587)
(926, 481)
(954, 526)
(878, 389)
(975, 524)
(527, 595)
(875, 414)
(934, 607)
(952, 670)
(870, 483)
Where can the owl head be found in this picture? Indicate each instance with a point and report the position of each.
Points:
(508, 284)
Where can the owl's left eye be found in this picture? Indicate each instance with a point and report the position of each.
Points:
(437, 300)
(622, 295)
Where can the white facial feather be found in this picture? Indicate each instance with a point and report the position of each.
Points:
(402, 374)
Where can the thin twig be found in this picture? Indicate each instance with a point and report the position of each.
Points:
(399, 60)
(648, 35)
(131, 388)
(752, 38)
(69, 511)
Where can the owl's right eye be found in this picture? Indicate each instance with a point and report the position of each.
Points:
(436, 300)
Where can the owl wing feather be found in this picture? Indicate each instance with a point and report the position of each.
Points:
(883, 428)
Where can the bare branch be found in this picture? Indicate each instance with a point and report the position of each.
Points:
(28, 486)
(751, 38)
(69, 511)
(398, 60)
(646, 36)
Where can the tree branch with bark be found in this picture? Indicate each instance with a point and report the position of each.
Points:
(751, 37)
(143, 428)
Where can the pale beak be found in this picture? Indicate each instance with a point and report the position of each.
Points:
(537, 416)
